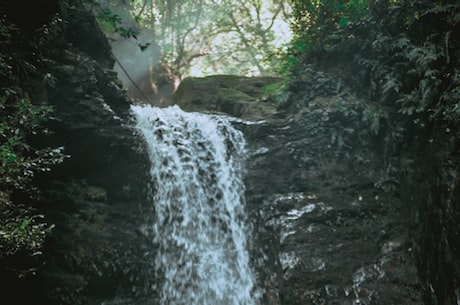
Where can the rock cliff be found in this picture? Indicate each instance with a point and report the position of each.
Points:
(330, 227)
(100, 248)
(344, 213)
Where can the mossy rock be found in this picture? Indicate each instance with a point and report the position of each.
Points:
(239, 96)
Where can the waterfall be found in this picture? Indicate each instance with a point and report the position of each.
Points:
(199, 232)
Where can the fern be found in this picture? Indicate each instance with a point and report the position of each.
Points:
(391, 84)
(404, 56)
(431, 74)
(423, 56)
(401, 43)
(438, 9)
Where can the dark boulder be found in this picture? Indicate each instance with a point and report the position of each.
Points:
(239, 96)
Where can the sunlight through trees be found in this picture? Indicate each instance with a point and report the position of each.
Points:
(173, 39)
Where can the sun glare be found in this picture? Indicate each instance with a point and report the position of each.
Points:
(224, 45)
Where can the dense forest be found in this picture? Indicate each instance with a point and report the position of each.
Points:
(398, 60)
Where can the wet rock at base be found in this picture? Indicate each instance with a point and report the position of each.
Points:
(329, 225)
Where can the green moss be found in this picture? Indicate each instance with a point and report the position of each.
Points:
(239, 96)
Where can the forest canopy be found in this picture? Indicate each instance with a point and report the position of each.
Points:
(400, 57)
(165, 41)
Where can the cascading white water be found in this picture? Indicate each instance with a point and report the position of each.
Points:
(199, 230)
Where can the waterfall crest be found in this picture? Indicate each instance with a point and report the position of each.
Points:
(199, 232)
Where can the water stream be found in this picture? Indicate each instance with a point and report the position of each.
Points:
(199, 233)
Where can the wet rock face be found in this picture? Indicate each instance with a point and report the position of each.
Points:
(83, 30)
(98, 197)
(433, 187)
(329, 226)
(100, 249)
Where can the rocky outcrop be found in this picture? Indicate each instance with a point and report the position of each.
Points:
(344, 211)
(100, 248)
(239, 96)
(329, 224)
(330, 227)
(343, 214)
(98, 198)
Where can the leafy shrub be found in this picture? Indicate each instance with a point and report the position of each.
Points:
(22, 229)
(400, 57)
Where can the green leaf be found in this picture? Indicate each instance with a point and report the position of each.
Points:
(11, 158)
(343, 22)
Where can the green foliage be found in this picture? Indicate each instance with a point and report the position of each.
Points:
(319, 25)
(49, 33)
(276, 92)
(400, 57)
(373, 116)
(220, 37)
(113, 23)
(110, 20)
(22, 230)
